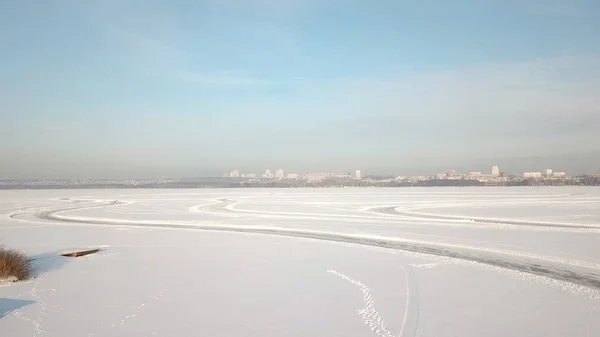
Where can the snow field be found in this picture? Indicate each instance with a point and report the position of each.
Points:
(306, 262)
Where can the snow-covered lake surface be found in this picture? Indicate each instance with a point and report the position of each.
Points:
(440, 262)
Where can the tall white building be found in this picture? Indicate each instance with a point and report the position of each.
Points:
(548, 172)
(268, 174)
(235, 174)
(279, 174)
(358, 175)
(495, 171)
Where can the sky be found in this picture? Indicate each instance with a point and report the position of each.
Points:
(146, 88)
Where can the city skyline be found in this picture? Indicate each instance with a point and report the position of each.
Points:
(494, 170)
(494, 173)
(282, 179)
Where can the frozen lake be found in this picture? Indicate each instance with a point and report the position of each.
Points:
(444, 262)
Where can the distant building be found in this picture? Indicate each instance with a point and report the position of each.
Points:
(292, 176)
(316, 177)
(279, 174)
(495, 171)
(268, 174)
(358, 175)
(447, 175)
(235, 174)
(548, 172)
(478, 176)
(336, 175)
(532, 175)
(559, 174)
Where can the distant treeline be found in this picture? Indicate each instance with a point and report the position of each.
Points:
(578, 181)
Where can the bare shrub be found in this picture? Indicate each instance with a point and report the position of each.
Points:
(14, 264)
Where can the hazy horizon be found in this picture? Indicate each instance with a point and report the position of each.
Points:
(136, 89)
(568, 163)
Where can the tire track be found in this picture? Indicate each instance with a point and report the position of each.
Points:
(527, 265)
(49, 209)
(226, 207)
(15, 212)
(411, 315)
(220, 205)
(394, 211)
(47, 214)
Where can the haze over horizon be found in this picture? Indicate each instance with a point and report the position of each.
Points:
(132, 89)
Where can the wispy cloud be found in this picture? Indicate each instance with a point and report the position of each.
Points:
(557, 8)
(537, 106)
(279, 6)
(164, 52)
(154, 46)
(56, 127)
(223, 78)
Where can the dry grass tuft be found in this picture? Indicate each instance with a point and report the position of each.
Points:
(14, 264)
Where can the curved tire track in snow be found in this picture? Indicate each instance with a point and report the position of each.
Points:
(16, 212)
(394, 211)
(218, 205)
(537, 267)
(48, 214)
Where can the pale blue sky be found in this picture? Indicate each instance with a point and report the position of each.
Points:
(143, 88)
